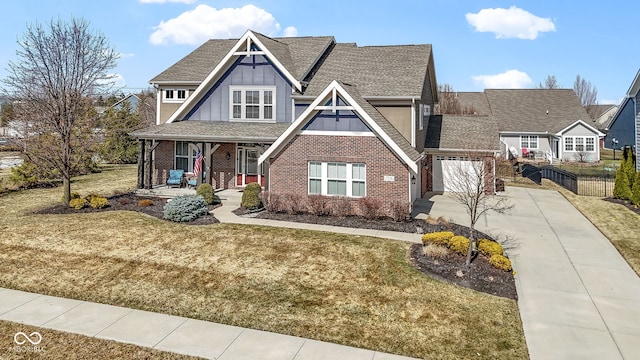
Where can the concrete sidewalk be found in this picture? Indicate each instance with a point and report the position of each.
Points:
(168, 333)
(578, 298)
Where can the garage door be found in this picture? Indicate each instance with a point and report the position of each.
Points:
(447, 168)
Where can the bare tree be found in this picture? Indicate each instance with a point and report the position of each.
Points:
(59, 67)
(472, 177)
(147, 108)
(588, 95)
(549, 83)
(449, 102)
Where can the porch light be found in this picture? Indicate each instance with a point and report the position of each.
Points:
(228, 155)
(413, 179)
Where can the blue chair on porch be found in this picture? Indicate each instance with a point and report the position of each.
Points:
(175, 177)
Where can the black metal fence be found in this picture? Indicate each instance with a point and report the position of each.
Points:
(601, 186)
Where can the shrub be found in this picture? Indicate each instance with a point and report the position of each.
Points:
(635, 190)
(399, 210)
(435, 251)
(437, 238)
(369, 207)
(433, 221)
(341, 207)
(622, 187)
(78, 203)
(185, 208)
(490, 247)
(251, 196)
(500, 262)
(145, 202)
(318, 205)
(98, 202)
(459, 244)
(206, 191)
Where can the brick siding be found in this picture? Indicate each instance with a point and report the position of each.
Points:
(289, 169)
(223, 170)
(163, 159)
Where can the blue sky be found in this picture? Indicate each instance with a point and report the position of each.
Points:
(476, 43)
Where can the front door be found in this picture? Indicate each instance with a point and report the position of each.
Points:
(248, 170)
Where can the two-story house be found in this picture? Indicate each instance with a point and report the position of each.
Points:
(299, 115)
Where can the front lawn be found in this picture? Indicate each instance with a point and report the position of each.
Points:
(354, 290)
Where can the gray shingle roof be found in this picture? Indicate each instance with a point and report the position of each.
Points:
(297, 55)
(376, 70)
(462, 132)
(384, 124)
(213, 131)
(476, 101)
(525, 110)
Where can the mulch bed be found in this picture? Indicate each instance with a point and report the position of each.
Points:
(481, 276)
(628, 204)
(130, 202)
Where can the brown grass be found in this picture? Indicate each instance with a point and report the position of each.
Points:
(353, 290)
(58, 345)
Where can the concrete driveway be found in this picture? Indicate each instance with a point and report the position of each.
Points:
(578, 298)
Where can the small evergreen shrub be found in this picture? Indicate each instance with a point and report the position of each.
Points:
(206, 191)
(622, 188)
(459, 244)
(185, 208)
(500, 262)
(437, 238)
(78, 203)
(145, 202)
(635, 190)
(251, 196)
(489, 248)
(98, 202)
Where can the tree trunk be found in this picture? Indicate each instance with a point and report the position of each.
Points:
(472, 246)
(66, 184)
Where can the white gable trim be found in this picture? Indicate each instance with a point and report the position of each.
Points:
(245, 41)
(591, 128)
(333, 89)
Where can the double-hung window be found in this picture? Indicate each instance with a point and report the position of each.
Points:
(529, 141)
(184, 157)
(337, 179)
(252, 103)
(580, 143)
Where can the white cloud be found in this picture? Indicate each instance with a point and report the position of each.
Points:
(127, 55)
(167, 1)
(290, 31)
(115, 81)
(510, 23)
(205, 22)
(511, 79)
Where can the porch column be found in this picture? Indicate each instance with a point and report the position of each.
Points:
(147, 165)
(141, 151)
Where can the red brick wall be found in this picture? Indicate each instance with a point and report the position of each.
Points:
(163, 159)
(223, 170)
(289, 170)
(427, 175)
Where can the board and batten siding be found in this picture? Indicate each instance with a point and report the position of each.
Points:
(249, 72)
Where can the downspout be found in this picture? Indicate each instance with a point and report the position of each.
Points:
(413, 123)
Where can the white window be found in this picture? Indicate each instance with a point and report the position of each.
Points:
(337, 179)
(452, 158)
(252, 103)
(568, 144)
(175, 95)
(580, 143)
(529, 141)
(184, 157)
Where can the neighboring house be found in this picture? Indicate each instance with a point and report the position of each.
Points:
(549, 124)
(454, 147)
(604, 115)
(624, 126)
(299, 115)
